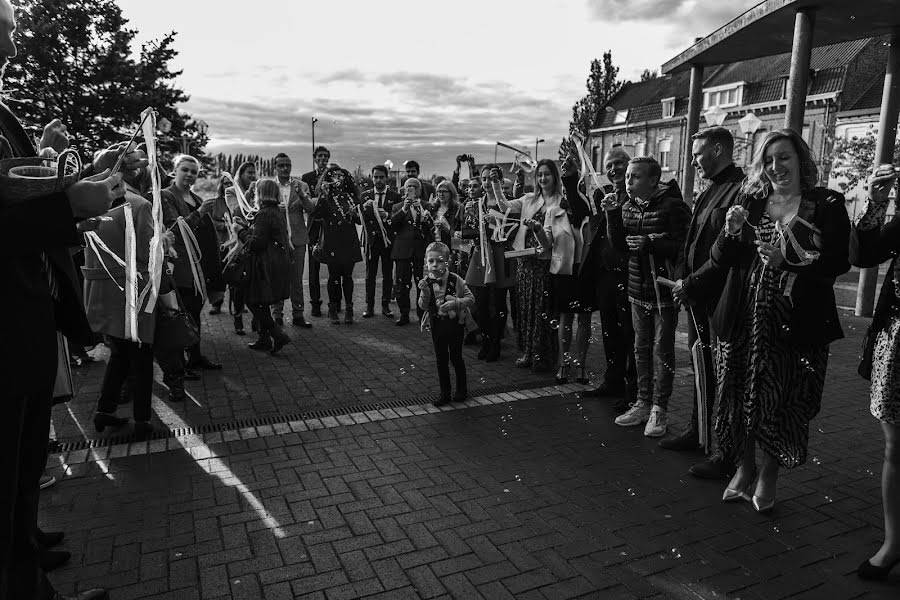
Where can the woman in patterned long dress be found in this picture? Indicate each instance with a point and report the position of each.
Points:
(783, 246)
(872, 243)
(534, 336)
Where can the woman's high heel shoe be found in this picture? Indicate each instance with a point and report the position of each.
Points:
(104, 420)
(870, 572)
(734, 495)
(562, 376)
(762, 506)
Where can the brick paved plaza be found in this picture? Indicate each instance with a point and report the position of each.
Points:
(528, 491)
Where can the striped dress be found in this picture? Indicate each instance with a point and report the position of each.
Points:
(768, 388)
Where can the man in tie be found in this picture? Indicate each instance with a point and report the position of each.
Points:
(321, 156)
(295, 202)
(41, 296)
(377, 205)
(413, 226)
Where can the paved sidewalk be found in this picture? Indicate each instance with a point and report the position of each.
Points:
(533, 494)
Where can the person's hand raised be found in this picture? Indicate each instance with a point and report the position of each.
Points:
(610, 202)
(55, 136)
(881, 182)
(735, 218)
(93, 196)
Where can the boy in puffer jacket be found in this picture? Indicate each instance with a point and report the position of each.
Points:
(650, 226)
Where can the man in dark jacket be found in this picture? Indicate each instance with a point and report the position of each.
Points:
(650, 228)
(378, 240)
(699, 285)
(321, 156)
(41, 296)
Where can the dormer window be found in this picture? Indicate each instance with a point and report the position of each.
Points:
(668, 108)
(621, 117)
(724, 96)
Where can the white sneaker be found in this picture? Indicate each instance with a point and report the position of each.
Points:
(657, 423)
(637, 414)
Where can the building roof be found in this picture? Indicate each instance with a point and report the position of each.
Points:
(768, 28)
(764, 78)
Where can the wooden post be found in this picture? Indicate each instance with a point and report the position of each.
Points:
(798, 82)
(884, 154)
(695, 102)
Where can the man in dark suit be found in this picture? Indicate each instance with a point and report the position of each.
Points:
(321, 156)
(411, 225)
(412, 171)
(699, 285)
(378, 247)
(41, 296)
(620, 377)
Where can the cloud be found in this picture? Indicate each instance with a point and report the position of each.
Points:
(399, 116)
(696, 17)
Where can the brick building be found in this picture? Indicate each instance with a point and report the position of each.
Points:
(650, 117)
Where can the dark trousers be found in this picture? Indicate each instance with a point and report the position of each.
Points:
(447, 335)
(25, 422)
(407, 272)
(703, 332)
(490, 310)
(315, 288)
(236, 293)
(172, 362)
(340, 278)
(262, 313)
(193, 305)
(618, 331)
(382, 257)
(130, 361)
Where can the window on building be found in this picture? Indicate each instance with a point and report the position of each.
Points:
(664, 148)
(668, 108)
(640, 149)
(722, 97)
(621, 117)
(595, 157)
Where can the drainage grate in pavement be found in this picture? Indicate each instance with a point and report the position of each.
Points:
(276, 419)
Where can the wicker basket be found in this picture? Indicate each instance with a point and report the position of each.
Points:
(32, 177)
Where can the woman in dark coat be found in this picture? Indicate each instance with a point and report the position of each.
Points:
(269, 267)
(873, 242)
(337, 204)
(179, 202)
(783, 246)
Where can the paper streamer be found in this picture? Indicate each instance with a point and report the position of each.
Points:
(192, 247)
(151, 290)
(131, 277)
(245, 207)
(590, 177)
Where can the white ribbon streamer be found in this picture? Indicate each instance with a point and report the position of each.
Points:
(244, 205)
(131, 277)
(192, 247)
(156, 260)
(587, 171)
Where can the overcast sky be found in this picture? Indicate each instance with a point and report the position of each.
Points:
(408, 78)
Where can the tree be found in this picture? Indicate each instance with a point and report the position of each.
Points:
(75, 64)
(853, 159)
(602, 84)
(647, 75)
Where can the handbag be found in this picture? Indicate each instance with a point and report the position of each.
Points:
(63, 389)
(868, 352)
(318, 251)
(237, 271)
(175, 328)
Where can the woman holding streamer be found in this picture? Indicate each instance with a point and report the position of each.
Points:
(339, 209)
(244, 178)
(783, 245)
(489, 274)
(533, 333)
(183, 211)
(447, 215)
(108, 259)
(270, 247)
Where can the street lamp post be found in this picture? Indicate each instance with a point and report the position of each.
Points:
(314, 121)
(536, 142)
(202, 128)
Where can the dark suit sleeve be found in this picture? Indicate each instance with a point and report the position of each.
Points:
(38, 224)
(615, 230)
(871, 247)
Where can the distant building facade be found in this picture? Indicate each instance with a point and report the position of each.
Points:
(650, 117)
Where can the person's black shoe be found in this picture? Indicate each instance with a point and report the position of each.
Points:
(348, 315)
(605, 390)
(279, 340)
(689, 440)
(191, 374)
(386, 311)
(870, 572)
(485, 348)
(443, 399)
(93, 594)
(403, 320)
(216, 309)
(264, 343)
(206, 364)
(460, 396)
(177, 394)
(104, 420)
(143, 430)
(333, 316)
(316, 309)
(493, 353)
(53, 559)
(714, 467)
(48, 539)
(300, 321)
(239, 325)
(279, 321)
(369, 312)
